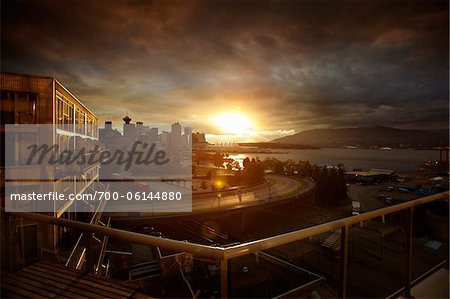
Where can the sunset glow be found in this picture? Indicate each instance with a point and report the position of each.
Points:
(233, 123)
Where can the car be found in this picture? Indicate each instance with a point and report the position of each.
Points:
(394, 201)
(390, 201)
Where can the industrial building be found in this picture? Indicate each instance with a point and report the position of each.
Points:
(369, 177)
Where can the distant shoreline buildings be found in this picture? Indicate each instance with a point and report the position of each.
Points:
(178, 137)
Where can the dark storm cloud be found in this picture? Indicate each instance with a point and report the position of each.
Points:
(292, 64)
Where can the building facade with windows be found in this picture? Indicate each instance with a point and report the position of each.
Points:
(43, 100)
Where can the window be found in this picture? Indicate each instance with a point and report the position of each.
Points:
(80, 121)
(69, 120)
(65, 143)
(91, 126)
(18, 108)
(59, 112)
(26, 108)
(64, 113)
(7, 107)
(95, 128)
(17, 145)
(24, 140)
(88, 126)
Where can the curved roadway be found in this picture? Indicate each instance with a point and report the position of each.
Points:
(278, 188)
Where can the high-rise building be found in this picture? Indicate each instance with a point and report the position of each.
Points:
(108, 125)
(140, 131)
(153, 135)
(42, 100)
(165, 138)
(188, 135)
(107, 134)
(129, 130)
(175, 136)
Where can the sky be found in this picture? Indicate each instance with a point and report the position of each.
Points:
(284, 66)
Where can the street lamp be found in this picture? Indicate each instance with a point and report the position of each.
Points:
(219, 195)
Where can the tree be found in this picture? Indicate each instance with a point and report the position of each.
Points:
(203, 184)
(278, 167)
(305, 169)
(218, 159)
(253, 171)
(331, 187)
(290, 167)
(201, 156)
(246, 162)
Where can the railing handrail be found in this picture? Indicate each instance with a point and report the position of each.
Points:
(261, 244)
(238, 250)
(196, 249)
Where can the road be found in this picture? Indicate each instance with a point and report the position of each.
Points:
(276, 188)
(365, 195)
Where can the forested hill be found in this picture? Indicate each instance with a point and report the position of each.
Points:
(368, 137)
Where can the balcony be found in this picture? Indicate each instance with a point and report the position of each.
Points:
(381, 253)
(22, 173)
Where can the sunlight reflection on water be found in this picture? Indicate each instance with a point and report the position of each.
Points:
(397, 159)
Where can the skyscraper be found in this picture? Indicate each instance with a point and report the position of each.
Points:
(129, 131)
(153, 135)
(175, 136)
(188, 135)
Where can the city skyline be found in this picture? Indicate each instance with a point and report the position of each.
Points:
(273, 69)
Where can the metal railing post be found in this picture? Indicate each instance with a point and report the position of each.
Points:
(223, 278)
(344, 262)
(6, 237)
(408, 268)
(89, 265)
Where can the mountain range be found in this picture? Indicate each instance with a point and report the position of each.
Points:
(376, 136)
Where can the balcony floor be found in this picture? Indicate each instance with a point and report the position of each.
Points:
(434, 286)
(44, 279)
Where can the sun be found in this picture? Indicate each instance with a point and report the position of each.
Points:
(233, 123)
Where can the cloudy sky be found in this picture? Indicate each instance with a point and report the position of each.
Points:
(286, 66)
